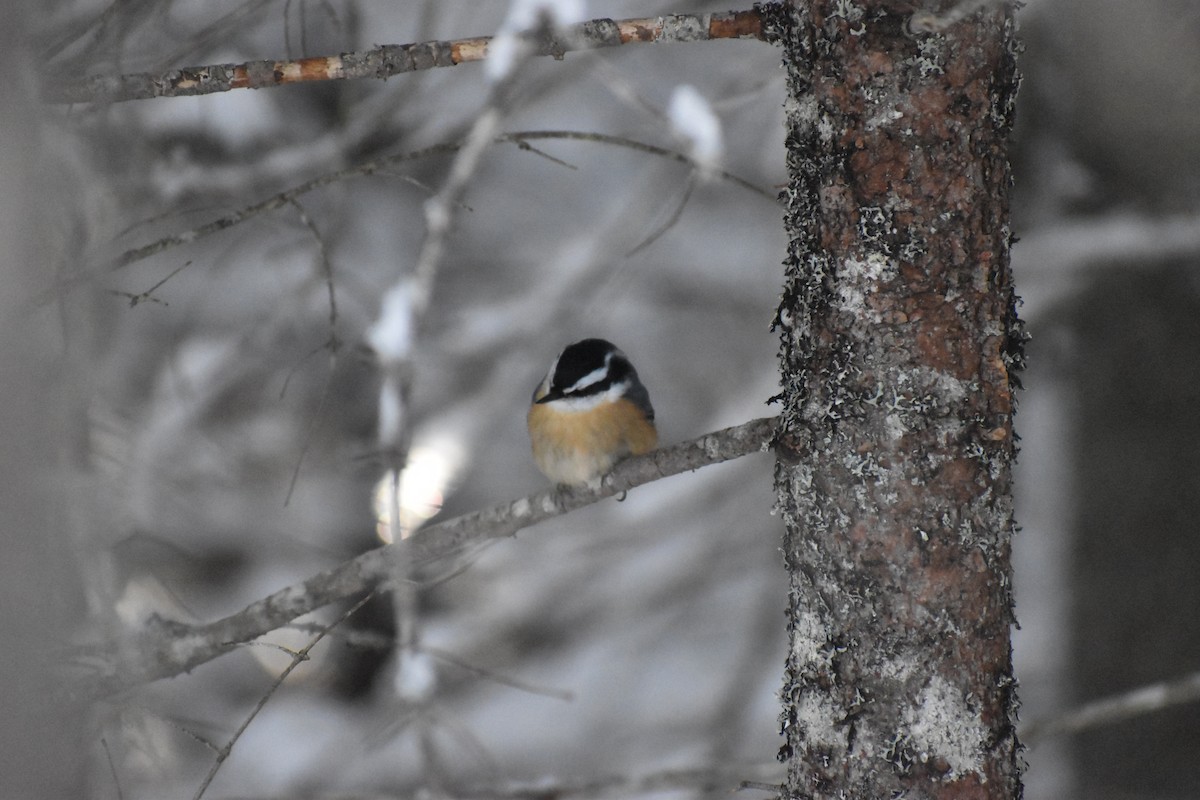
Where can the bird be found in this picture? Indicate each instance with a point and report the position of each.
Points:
(588, 413)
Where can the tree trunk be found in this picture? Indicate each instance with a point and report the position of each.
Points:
(895, 449)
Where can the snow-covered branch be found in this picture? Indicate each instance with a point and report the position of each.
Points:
(170, 648)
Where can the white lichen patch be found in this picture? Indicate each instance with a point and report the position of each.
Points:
(943, 725)
(898, 669)
(943, 385)
(859, 277)
(930, 56)
(884, 118)
(808, 639)
(822, 720)
(846, 9)
(921, 392)
(804, 113)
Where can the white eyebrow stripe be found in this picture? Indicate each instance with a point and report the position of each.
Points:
(588, 402)
(595, 376)
(553, 368)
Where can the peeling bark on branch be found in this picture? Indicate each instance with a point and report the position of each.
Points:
(394, 59)
(894, 464)
(171, 648)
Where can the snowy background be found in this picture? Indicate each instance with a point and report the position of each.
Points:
(661, 617)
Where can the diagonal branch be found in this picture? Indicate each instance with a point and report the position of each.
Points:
(393, 59)
(384, 163)
(169, 648)
(298, 658)
(375, 166)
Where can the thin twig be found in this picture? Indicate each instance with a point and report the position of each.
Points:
(670, 221)
(112, 768)
(431, 721)
(526, 146)
(326, 265)
(520, 138)
(333, 343)
(170, 648)
(632, 144)
(379, 165)
(148, 295)
(310, 430)
(388, 60)
(194, 736)
(298, 658)
(495, 677)
(367, 640)
(219, 30)
(274, 202)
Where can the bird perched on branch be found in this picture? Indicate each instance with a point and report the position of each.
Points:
(588, 413)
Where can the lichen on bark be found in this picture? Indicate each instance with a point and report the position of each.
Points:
(899, 340)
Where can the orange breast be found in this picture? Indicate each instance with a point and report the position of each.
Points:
(578, 447)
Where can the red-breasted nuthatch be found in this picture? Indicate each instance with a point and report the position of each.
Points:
(588, 413)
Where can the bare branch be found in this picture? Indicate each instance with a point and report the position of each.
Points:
(112, 769)
(394, 59)
(524, 686)
(332, 343)
(1107, 710)
(621, 141)
(276, 201)
(148, 295)
(326, 266)
(298, 658)
(169, 648)
(669, 223)
(375, 166)
(379, 641)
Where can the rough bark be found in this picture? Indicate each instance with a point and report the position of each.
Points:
(899, 336)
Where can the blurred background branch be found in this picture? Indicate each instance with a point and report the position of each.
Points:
(1110, 710)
